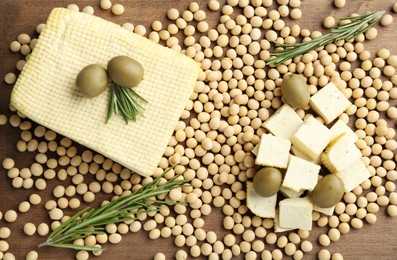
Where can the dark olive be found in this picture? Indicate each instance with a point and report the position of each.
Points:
(125, 71)
(267, 181)
(328, 191)
(295, 91)
(92, 80)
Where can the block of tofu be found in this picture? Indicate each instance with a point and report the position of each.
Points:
(296, 213)
(311, 138)
(284, 122)
(301, 174)
(329, 102)
(354, 175)
(290, 193)
(273, 151)
(46, 92)
(302, 155)
(264, 207)
(341, 127)
(340, 154)
(277, 227)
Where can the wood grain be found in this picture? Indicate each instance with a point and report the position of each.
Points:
(376, 241)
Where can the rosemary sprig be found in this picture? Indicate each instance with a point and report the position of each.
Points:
(123, 101)
(91, 221)
(357, 25)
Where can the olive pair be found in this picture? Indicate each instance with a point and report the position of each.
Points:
(122, 70)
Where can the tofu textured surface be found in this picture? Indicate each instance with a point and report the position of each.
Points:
(311, 138)
(46, 93)
(284, 122)
(273, 151)
(301, 174)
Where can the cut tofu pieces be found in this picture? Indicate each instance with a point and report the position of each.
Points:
(296, 213)
(311, 138)
(273, 151)
(340, 154)
(329, 102)
(284, 122)
(46, 92)
(301, 174)
(264, 207)
(354, 175)
(312, 144)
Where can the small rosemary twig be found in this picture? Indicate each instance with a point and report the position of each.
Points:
(357, 25)
(123, 101)
(92, 221)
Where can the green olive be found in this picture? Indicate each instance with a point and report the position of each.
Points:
(92, 80)
(267, 181)
(295, 91)
(328, 191)
(125, 71)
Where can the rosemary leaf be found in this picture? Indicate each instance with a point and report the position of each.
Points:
(137, 95)
(124, 106)
(111, 104)
(68, 223)
(357, 25)
(124, 101)
(77, 247)
(91, 221)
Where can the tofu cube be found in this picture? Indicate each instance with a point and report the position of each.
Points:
(311, 138)
(264, 207)
(354, 175)
(284, 122)
(301, 174)
(273, 151)
(340, 154)
(329, 102)
(341, 127)
(296, 213)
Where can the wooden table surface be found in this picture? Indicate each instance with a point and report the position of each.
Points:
(378, 241)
